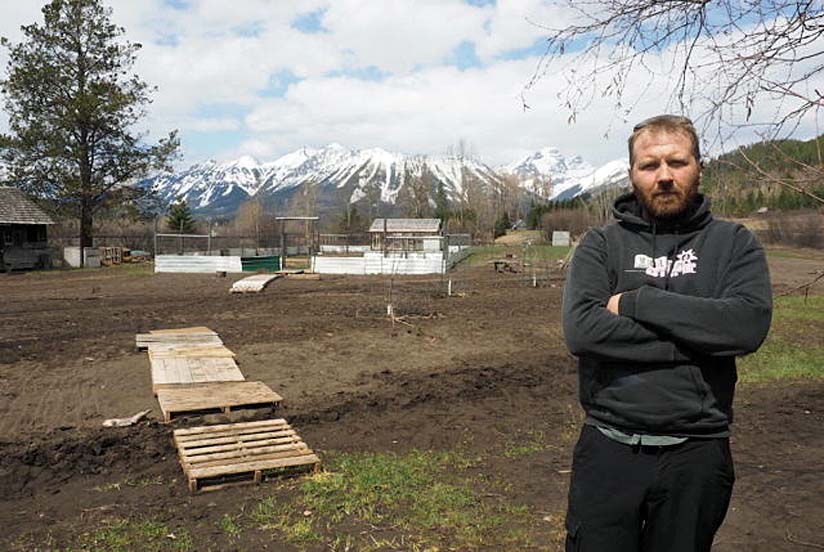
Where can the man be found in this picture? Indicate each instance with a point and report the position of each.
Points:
(656, 307)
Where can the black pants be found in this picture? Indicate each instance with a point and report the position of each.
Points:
(626, 498)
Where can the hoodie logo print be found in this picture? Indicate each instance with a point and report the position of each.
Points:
(685, 263)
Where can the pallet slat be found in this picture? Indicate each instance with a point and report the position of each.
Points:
(190, 351)
(225, 444)
(220, 427)
(220, 438)
(244, 455)
(190, 330)
(258, 465)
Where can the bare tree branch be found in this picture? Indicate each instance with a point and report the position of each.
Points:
(730, 56)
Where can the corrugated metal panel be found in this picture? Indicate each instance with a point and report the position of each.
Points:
(375, 263)
(378, 264)
(339, 265)
(197, 263)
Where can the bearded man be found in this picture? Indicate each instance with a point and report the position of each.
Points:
(656, 307)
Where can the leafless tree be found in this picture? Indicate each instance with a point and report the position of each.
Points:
(728, 59)
(415, 193)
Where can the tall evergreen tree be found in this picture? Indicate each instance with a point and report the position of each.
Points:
(180, 220)
(72, 101)
(442, 203)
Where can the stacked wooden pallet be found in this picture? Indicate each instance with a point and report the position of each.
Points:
(193, 372)
(253, 284)
(188, 356)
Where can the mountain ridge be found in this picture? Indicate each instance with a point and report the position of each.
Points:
(373, 175)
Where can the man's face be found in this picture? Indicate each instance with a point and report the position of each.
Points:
(664, 174)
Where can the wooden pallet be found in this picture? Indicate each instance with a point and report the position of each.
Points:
(205, 398)
(181, 370)
(213, 457)
(253, 284)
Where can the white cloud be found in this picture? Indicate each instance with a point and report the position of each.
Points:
(518, 24)
(398, 35)
(218, 64)
(424, 113)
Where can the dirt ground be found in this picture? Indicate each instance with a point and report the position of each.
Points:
(472, 370)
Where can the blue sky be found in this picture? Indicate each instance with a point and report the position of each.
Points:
(265, 77)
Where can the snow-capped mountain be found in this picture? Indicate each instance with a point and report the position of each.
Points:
(376, 174)
(549, 174)
(614, 174)
(372, 174)
(211, 186)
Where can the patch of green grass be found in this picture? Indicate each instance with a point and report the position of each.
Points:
(230, 525)
(810, 308)
(779, 360)
(285, 518)
(126, 536)
(420, 498)
(525, 445)
(782, 253)
(794, 349)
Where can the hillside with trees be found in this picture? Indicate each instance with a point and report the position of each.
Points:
(779, 175)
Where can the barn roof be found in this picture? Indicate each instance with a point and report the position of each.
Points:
(407, 225)
(16, 208)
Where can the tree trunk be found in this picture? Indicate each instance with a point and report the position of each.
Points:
(85, 230)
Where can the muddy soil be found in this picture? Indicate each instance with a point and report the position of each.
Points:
(474, 370)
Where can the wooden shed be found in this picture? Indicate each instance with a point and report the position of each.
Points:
(402, 234)
(23, 232)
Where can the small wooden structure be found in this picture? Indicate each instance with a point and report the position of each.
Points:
(221, 397)
(406, 234)
(23, 232)
(217, 456)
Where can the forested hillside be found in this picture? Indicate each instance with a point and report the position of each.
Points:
(738, 187)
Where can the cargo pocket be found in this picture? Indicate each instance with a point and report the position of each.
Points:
(574, 536)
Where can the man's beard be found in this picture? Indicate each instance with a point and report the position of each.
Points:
(667, 204)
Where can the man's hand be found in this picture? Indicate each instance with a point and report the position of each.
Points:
(612, 304)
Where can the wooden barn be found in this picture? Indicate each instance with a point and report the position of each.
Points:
(23, 232)
(401, 234)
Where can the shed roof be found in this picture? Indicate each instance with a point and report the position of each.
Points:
(407, 225)
(16, 208)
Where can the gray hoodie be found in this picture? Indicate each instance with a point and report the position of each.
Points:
(696, 294)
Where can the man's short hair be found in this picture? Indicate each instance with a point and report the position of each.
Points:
(669, 123)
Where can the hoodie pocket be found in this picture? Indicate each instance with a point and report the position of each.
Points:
(663, 398)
